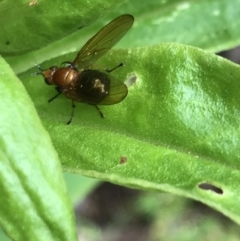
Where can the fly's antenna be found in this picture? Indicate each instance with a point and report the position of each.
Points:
(37, 65)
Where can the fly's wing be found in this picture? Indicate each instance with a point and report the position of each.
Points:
(118, 91)
(103, 41)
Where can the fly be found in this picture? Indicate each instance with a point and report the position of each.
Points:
(79, 82)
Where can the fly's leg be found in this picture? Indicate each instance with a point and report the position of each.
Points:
(110, 70)
(73, 105)
(54, 97)
(71, 117)
(99, 111)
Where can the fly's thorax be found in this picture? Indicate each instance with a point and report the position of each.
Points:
(65, 77)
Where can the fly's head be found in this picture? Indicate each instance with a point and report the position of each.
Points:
(48, 75)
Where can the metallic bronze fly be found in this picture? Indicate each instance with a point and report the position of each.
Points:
(79, 82)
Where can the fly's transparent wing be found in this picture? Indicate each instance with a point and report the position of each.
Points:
(103, 41)
(118, 91)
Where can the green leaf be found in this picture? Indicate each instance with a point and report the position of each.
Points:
(177, 128)
(79, 187)
(211, 25)
(44, 22)
(3, 236)
(33, 204)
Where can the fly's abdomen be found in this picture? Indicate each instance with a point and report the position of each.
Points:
(92, 86)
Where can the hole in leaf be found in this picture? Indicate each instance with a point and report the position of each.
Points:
(207, 186)
(131, 80)
(34, 2)
(123, 160)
